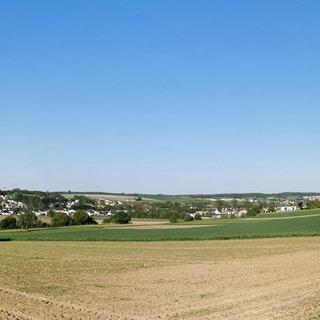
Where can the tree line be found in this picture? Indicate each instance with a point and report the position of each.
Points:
(28, 220)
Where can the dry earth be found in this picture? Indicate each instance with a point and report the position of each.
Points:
(234, 279)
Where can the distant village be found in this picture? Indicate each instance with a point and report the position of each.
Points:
(12, 202)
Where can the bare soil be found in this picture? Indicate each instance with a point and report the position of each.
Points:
(234, 279)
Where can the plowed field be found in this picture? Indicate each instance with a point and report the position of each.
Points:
(234, 279)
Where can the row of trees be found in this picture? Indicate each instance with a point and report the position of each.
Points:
(37, 200)
(80, 217)
(25, 221)
(28, 219)
(123, 217)
(312, 204)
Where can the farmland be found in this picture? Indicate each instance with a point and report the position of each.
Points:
(234, 279)
(128, 197)
(305, 223)
(138, 272)
(113, 197)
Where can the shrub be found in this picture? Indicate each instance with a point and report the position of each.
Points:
(60, 220)
(187, 217)
(81, 217)
(121, 217)
(174, 218)
(197, 217)
(41, 224)
(90, 220)
(107, 220)
(8, 223)
(51, 213)
(253, 211)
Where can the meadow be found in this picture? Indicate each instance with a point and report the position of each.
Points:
(304, 223)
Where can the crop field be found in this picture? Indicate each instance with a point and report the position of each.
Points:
(112, 197)
(100, 196)
(124, 197)
(209, 229)
(289, 213)
(235, 279)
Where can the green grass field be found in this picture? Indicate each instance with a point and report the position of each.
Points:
(289, 213)
(302, 224)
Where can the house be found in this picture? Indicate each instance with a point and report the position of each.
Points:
(289, 208)
(242, 213)
(6, 212)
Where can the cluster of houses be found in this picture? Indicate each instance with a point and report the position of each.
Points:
(232, 212)
(223, 213)
(311, 198)
(91, 212)
(8, 205)
(70, 212)
(287, 208)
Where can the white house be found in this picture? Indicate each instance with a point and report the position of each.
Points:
(290, 208)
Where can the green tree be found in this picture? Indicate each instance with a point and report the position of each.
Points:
(174, 218)
(51, 213)
(107, 220)
(234, 204)
(16, 210)
(81, 217)
(8, 223)
(28, 219)
(246, 204)
(300, 204)
(187, 217)
(271, 207)
(60, 220)
(312, 204)
(253, 211)
(219, 204)
(197, 217)
(121, 217)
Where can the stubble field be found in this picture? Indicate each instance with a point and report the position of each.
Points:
(234, 279)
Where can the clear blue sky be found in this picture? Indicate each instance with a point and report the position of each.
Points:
(160, 96)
